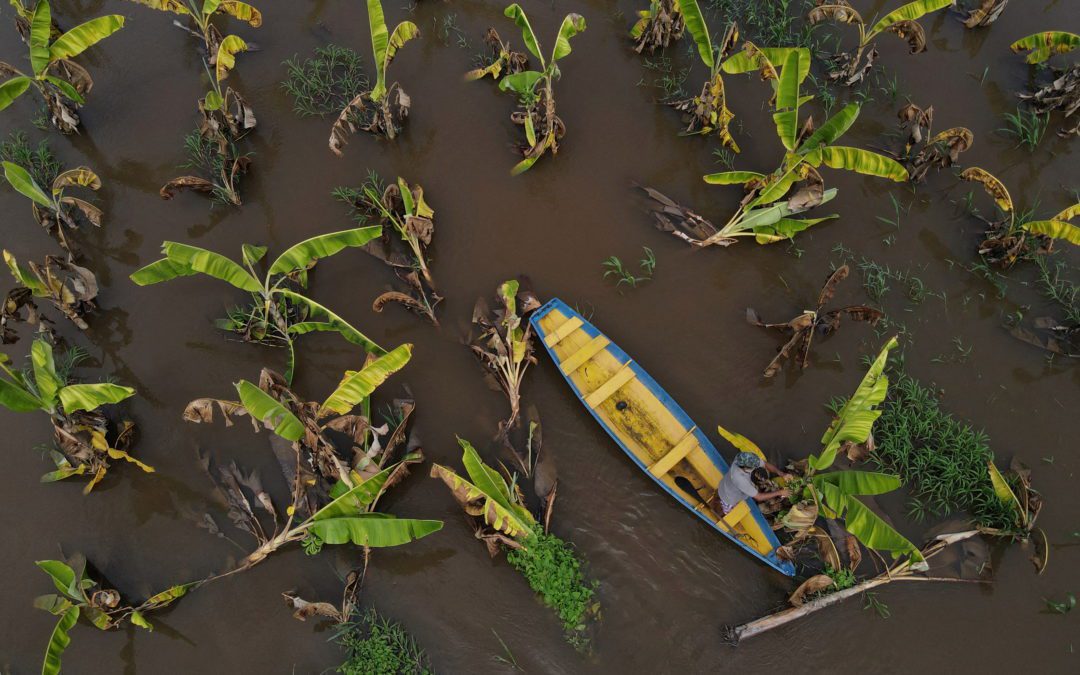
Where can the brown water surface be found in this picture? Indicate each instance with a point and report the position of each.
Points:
(667, 582)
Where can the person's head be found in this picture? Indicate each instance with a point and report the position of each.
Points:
(748, 461)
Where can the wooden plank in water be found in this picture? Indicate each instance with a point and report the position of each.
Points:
(604, 391)
(566, 328)
(675, 455)
(587, 351)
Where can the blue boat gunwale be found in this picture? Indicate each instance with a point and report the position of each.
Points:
(654, 387)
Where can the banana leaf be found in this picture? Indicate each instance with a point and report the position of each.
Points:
(863, 161)
(82, 37)
(1044, 45)
(909, 12)
(24, 184)
(328, 321)
(211, 264)
(13, 89)
(48, 384)
(40, 32)
(75, 397)
(516, 13)
(303, 255)
(59, 641)
(358, 385)
(269, 411)
(226, 55)
(571, 25)
(699, 30)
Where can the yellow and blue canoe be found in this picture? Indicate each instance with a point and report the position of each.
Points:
(649, 426)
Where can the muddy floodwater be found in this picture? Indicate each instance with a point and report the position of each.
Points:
(667, 582)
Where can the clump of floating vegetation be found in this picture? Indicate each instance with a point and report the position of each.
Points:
(535, 89)
(61, 82)
(84, 437)
(379, 646)
(502, 521)
(324, 84)
(852, 67)
(923, 151)
(381, 110)
(53, 209)
(279, 311)
(1062, 93)
(814, 321)
(766, 211)
(39, 161)
(407, 229)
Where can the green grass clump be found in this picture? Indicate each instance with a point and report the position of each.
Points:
(943, 461)
(325, 83)
(40, 162)
(378, 646)
(554, 571)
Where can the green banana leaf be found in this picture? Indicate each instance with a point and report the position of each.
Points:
(732, 177)
(1055, 229)
(175, 6)
(742, 62)
(48, 384)
(161, 270)
(835, 127)
(786, 228)
(82, 37)
(859, 482)
(485, 478)
(266, 409)
(308, 252)
(867, 526)
(59, 641)
(1044, 45)
(857, 417)
(572, 24)
(360, 496)
(1005, 493)
(226, 55)
(252, 254)
(24, 184)
(240, 11)
(211, 264)
(375, 530)
(516, 523)
(863, 161)
(75, 397)
(521, 83)
(63, 577)
(358, 385)
(13, 89)
(909, 12)
(699, 30)
(516, 13)
(40, 32)
(16, 399)
(770, 215)
(329, 322)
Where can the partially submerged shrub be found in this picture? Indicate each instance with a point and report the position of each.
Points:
(707, 112)
(279, 312)
(383, 109)
(61, 82)
(501, 59)
(408, 227)
(70, 288)
(658, 26)
(324, 83)
(1062, 93)
(535, 89)
(984, 13)
(851, 67)
(85, 439)
(55, 210)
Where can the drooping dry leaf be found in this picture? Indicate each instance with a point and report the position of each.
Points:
(814, 584)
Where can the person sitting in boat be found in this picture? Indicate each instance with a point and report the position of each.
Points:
(738, 484)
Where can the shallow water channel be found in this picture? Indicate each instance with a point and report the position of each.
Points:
(667, 582)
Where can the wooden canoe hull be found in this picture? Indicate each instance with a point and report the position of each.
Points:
(649, 426)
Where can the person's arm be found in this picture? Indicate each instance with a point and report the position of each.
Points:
(766, 496)
(777, 472)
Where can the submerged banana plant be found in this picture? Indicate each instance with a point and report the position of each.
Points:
(501, 60)
(70, 288)
(658, 26)
(851, 67)
(766, 211)
(79, 596)
(408, 228)
(54, 210)
(1009, 238)
(62, 83)
(386, 107)
(84, 438)
(922, 151)
(334, 491)
(279, 311)
(535, 89)
(1062, 93)
(707, 112)
(201, 14)
(983, 14)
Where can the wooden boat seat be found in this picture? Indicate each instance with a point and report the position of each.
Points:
(741, 510)
(675, 455)
(581, 356)
(605, 391)
(567, 327)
